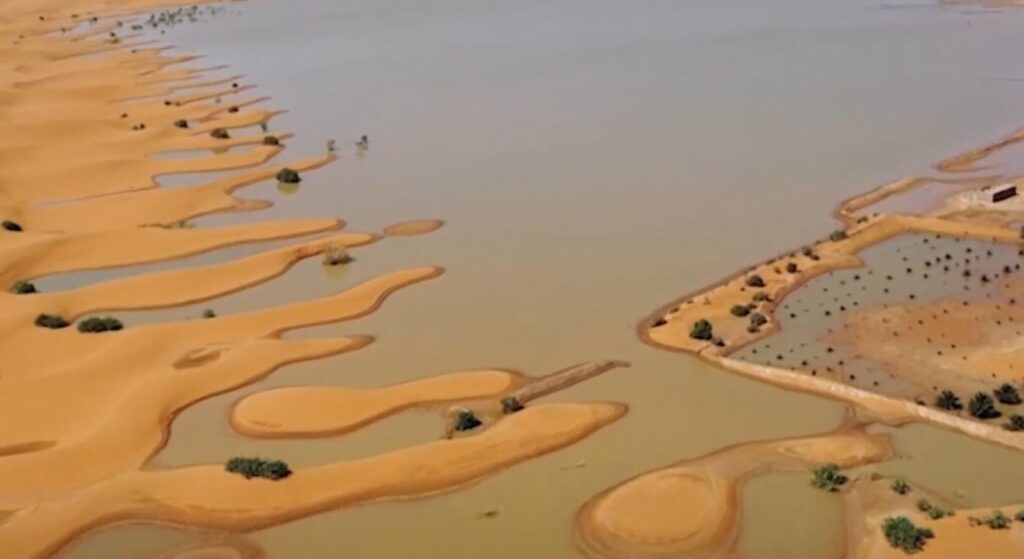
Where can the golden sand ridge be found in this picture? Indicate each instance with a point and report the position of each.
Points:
(86, 107)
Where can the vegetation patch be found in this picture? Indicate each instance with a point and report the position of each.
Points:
(258, 467)
(902, 534)
(181, 123)
(51, 321)
(287, 175)
(702, 330)
(23, 287)
(10, 226)
(754, 280)
(220, 134)
(510, 404)
(947, 400)
(466, 420)
(983, 407)
(1007, 394)
(900, 486)
(271, 141)
(98, 324)
(739, 310)
(828, 477)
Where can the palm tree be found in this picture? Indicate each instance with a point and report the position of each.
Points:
(947, 400)
(1007, 394)
(983, 407)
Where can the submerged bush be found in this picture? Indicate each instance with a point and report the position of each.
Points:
(902, 534)
(258, 467)
(702, 330)
(900, 486)
(983, 407)
(10, 225)
(466, 420)
(510, 404)
(271, 141)
(23, 287)
(739, 310)
(52, 321)
(1007, 394)
(828, 477)
(97, 324)
(947, 400)
(220, 134)
(287, 175)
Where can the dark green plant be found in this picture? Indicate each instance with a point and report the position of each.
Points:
(271, 141)
(754, 280)
(902, 534)
(837, 236)
(983, 407)
(258, 467)
(54, 322)
(757, 320)
(1007, 394)
(181, 123)
(208, 313)
(761, 296)
(10, 225)
(702, 330)
(1016, 423)
(998, 521)
(900, 486)
(510, 404)
(947, 400)
(1019, 517)
(739, 310)
(287, 175)
(466, 420)
(923, 505)
(828, 477)
(98, 324)
(792, 268)
(220, 134)
(935, 513)
(23, 287)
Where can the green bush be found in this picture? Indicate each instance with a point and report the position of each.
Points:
(828, 477)
(181, 123)
(1007, 394)
(10, 225)
(792, 268)
(761, 296)
(97, 324)
(923, 505)
(947, 400)
(271, 141)
(757, 320)
(220, 134)
(702, 330)
(23, 287)
(1019, 517)
(1016, 423)
(258, 467)
(902, 534)
(998, 521)
(466, 420)
(983, 407)
(754, 280)
(54, 322)
(287, 175)
(935, 513)
(510, 404)
(900, 486)
(739, 310)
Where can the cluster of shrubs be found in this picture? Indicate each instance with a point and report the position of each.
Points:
(98, 324)
(828, 477)
(54, 322)
(983, 406)
(258, 467)
(900, 486)
(902, 534)
(933, 512)
(997, 521)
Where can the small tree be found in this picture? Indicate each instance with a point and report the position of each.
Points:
(258, 467)
(181, 123)
(947, 400)
(1016, 423)
(792, 268)
(754, 280)
(23, 288)
(739, 310)
(757, 320)
(220, 134)
(837, 236)
(902, 534)
(761, 296)
(271, 141)
(900, 486)
(54, 322)
(287, 175)
(466, 420)
(702, 330)
(983, 407)
(828, 477)
(1007, 394)
(510, 404)
(98, 324)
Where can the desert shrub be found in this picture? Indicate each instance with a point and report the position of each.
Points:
(792, 268)
(923, 505)
(287, 175)
(258, 467)
(510, 404)
(1007, 394)
(936, 513)
(828, 477)
(1016, 423)
(181, 123)
(660, 321)
(754, 280)
(10, 225)
(232, 109)
(757, 320)
(220, 134)
(947, 400)
(208, 313)
(837, 236)
(761, 296)
(336, 255)
(902, 534)
(271, 141)
(1019, 517)
(98, 324)
(466, 420)
(998, 521)
(702, 330)
(54, 322)
(983, 407)
(23, 287)
(900, 486)
(739, 310)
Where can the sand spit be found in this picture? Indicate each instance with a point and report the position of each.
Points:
(410, 228)
(209, 497)
(317, 411)
(690, 509)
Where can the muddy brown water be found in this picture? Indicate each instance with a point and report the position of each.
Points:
(593, 160)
